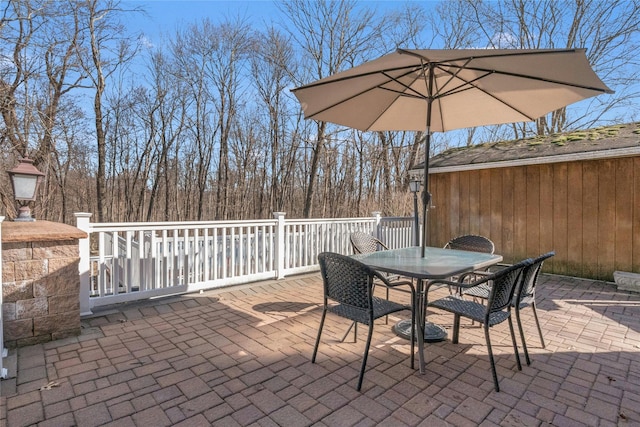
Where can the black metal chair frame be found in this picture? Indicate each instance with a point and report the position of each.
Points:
(348, 284)
(524, 297)
(497, 310)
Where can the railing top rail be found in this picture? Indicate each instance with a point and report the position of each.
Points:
(142, 226)
(395, 218)
(328, 220)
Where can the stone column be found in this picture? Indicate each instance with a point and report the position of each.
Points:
(40, 282)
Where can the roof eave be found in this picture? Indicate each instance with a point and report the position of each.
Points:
(572, 157)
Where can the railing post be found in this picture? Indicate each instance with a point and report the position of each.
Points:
(280, 247)
(3, 351)
(378, 217)
(84, 267)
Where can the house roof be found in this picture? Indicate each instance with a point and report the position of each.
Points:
(599, 143)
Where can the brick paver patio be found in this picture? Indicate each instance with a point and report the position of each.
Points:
(241, 357)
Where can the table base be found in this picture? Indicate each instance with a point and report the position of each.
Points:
(432, 332)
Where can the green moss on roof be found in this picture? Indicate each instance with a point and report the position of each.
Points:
(601, 138)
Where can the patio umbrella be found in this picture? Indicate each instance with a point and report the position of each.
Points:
(441, 90)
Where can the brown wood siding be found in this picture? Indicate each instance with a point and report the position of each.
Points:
(635, 257)
(588, 212)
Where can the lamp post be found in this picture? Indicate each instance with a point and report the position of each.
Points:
(414, 186)
(25, 179)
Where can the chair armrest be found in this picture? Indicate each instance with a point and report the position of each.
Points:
(485, 278)
(486, 272)
(443, 282)
(399, 283)
(394, 284)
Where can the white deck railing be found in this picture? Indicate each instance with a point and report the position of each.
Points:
(122, 262)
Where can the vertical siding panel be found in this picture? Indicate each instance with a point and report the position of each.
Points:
(441, 209)
(463, 194)
(495, 177)
(606, 219)
(507, 211)
(430, 216)
(624, 214)
(590, 245)
(454, 203)
(445, 188)
(547, 186)
(575, 220)
(446, 206)
(533, 210)
(519, 213)
(560, 211)
(433, 219)
(474, 202)
(636, 216)
(485, 202)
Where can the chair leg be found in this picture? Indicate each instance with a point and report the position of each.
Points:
(456, 328)
(353, 326)
(515, 344)
(535, 315)
(315, 349)
(493, 364)
(364, 357)
(522, 338)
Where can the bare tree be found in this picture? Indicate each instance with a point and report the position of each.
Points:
(106, 48)
(211, 60)
(326, 49)
(37, 78)
(609, 30)
(270, 70)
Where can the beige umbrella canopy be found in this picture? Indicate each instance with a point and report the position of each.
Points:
(441, 90)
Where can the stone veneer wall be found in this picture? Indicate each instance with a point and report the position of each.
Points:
(40, 282)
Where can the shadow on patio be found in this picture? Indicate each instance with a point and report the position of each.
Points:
(241, 356)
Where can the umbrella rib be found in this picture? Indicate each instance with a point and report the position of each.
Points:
(416, 94)
(531, 77)
(469, 84)
(411, 68)
(492, 55)
(487, 72)
(378, 86)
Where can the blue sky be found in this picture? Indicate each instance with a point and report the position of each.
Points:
(165, 16)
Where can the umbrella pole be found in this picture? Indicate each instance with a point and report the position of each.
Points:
(426, 195)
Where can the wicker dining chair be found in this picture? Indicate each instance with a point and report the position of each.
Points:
(362, 243)
(348, 293)
(473, 243)
(524, 296)
(496, 311)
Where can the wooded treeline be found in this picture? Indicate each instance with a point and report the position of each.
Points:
(202, 124)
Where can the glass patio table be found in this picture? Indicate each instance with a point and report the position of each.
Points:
(437, 263)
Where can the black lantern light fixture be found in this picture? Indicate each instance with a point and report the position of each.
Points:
(25, 179)
(414, 186)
